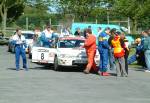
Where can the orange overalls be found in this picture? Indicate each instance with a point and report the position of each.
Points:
(90, 46)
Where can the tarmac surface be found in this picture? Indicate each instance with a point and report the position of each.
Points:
(41, 84)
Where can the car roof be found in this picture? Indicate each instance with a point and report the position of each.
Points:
(30, 32)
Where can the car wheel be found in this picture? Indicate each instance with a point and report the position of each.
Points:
(9, 49)
(30, 56)
(13, 50)
(56, 66)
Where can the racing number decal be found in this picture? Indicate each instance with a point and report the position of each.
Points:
(42, 56)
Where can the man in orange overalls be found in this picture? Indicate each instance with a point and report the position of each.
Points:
(90, 46)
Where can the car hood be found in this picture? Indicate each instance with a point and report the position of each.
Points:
(72, 51)
(29, 41)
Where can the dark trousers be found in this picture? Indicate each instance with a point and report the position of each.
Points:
(126, 60)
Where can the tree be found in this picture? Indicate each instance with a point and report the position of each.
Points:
(82, 9)
(41, 5)
(15, 12)
(134, 9)
(5, 5)
(37, 12)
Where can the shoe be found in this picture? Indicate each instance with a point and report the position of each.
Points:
(17, 69)
(148, 71)
(86, 71)
(105, 74)
(25, 68)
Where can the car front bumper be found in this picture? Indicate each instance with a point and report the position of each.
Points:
(71, 62)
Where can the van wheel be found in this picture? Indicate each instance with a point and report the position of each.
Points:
(9, 50)
(56, 66)
(13, 49)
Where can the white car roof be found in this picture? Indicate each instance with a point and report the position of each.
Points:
(31, 32)
(72, 38)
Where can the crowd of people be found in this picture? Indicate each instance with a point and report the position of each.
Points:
(113, 50)
(142, 51)
(112, 47)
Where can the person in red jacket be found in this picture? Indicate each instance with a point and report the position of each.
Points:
(90, 46)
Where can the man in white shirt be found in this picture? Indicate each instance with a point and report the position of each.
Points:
(64, 32)
(47, 37)
(20, 45)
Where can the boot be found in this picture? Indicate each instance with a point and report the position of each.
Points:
(86, 71)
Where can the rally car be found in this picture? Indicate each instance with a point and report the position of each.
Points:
(66, 51)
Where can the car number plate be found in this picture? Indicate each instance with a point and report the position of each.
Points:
(43, 61)
(43, 56)
(80, 61)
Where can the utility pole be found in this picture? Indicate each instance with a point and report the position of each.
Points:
(27, 23)
(96, 21)
(129, 28)
(50, 21)
(73, 20)
(107, 15)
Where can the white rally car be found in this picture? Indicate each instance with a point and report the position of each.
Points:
(66, 52)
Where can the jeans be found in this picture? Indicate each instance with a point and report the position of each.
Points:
(132, 59)
(147, 59)
(126, 60)
(103, 61)
(20, 51)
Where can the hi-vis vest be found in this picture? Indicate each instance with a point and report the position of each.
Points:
(118, 50)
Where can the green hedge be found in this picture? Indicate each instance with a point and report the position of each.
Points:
(135, 35)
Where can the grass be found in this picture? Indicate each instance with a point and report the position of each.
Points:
(135, 65)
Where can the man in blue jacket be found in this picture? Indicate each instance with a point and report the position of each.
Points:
(20, 45)
(47, 37)
(103, 48)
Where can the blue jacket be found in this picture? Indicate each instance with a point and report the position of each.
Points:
(46, 40)
(103, 45)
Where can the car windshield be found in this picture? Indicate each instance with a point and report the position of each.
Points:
(71, 43)
(28, 35)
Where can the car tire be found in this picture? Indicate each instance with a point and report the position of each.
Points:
(9, 49)
(13, 50)
(56, 66)
(30, 56)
